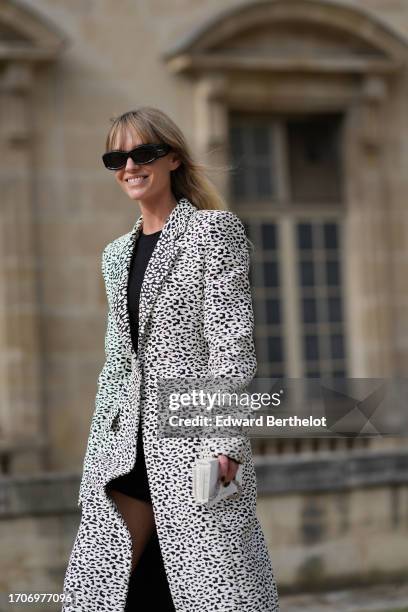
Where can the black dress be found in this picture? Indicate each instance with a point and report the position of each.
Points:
(150, 569)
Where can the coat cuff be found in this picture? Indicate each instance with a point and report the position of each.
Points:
(231, 447)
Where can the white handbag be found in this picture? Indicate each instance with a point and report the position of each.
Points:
(207, 487)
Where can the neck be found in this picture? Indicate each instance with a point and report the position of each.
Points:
(155, 216)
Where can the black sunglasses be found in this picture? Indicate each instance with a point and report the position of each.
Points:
(143, 154)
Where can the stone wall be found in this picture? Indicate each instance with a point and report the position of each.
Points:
(328, 521)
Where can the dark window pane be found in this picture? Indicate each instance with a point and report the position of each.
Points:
(278, 374)
(332, 273)
(304, 231)
(251, 157)
(311, 346)
(236, 140)
(260, 134)
(263, 185)
(273, 314)
(313, 374)
(238, 185)
(330, 231)
(271, 274)
(334, 310)
(275, 352)
(306, 273)
(314, 158)
(337, 346)
(268, 236)
(239, 166)
(339, 374)
(309, 310)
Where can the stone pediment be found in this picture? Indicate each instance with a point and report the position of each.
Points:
(297, 41)
(291, 35)
(11, 36)
(27, 35)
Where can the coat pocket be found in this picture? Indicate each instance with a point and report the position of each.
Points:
(113, 415)
(116, 407)
(238, 511)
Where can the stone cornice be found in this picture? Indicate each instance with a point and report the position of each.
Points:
(200, 62)
(208, 47)
(33, 39)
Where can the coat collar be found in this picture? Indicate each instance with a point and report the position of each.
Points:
(164, 255)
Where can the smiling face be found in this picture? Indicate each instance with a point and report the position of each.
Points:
(146, 183)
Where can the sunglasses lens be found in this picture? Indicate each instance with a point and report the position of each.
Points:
(144, 154)
(114, 159)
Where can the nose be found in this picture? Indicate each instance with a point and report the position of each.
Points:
(130, 164)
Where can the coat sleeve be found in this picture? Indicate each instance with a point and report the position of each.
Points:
(117, 367)
(228, 317)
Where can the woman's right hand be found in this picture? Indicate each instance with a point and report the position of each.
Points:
(227, 469)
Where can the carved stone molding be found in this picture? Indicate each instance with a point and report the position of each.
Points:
(27, 35)
(312, 36)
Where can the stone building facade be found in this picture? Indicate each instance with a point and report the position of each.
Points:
(301, 108)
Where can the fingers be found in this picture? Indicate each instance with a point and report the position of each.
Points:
(223, 463)
(232, 470)
(227, 469)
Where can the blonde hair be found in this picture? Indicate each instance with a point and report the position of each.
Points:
(189, 180)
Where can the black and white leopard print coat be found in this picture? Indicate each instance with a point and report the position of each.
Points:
(195, 317)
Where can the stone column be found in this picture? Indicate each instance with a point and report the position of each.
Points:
(212, 127)
(368, 233)
(368, 247)
(21, 427)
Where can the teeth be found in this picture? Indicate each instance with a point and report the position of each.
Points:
(137, 180)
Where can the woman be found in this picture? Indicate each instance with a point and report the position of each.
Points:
(191, 317)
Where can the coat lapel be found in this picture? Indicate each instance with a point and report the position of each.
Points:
(160, 263)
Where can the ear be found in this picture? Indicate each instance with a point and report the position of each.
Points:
(175, 161)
